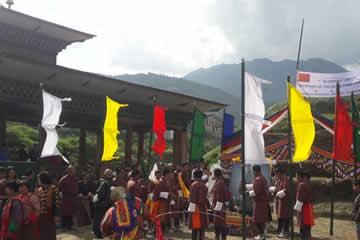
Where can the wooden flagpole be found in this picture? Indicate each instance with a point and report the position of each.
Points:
(290, 166)
(243, 149)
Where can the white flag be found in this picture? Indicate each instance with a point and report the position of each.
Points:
(52, 108)
(152, 173)
(324, 84)
(254, 118)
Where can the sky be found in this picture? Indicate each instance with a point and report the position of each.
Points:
(175, 37)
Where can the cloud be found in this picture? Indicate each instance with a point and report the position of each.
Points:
(176, 37)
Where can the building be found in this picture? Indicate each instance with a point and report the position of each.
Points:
(28, 51)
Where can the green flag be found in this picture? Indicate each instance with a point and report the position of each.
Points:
(356, 133)
(197, 136)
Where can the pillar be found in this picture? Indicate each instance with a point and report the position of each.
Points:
(2, 130)
(140, 153)
(184, 146)
(181, 152)
(176, 147)
(99, 151)
(128, 146)
(82, 150)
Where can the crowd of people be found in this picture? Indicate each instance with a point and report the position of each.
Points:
(125, 205)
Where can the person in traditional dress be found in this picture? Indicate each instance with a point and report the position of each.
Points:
(124, 219)
(32, 209)
(260, 196)
(11, 175)
(162, 197)
(175, 201)
(102, 201)
(13, 214)
(303, 205)
(133, 185)
(49, 207)
(282, 199)
(30, 177)
(218, 204)
(69, 188)
(198, 205)
(355, 214)
(186, 177)
(121, 177)
(85, 197)
(3, 195)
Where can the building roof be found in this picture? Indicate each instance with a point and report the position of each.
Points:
(45, 28)
(16, 68)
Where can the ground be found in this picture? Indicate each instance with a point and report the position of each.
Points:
(344, 228)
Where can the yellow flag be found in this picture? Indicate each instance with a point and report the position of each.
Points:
(302, 124)
(111, 129)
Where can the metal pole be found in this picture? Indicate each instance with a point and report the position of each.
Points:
(300, 43)
(243, 149)
(150, 145)
(333, 173)
(290, 168)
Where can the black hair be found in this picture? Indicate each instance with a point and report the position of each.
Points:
(134, 173)
(278, 169)
(25, 183)
(13, 186)
(166, 171)
(29, 172)
(44, 178)
(157, 172)
(217, 172)
(256, 168)
(301, 174)
(198, 174)
(10, 168)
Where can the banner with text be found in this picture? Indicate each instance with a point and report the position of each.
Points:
(324, 84)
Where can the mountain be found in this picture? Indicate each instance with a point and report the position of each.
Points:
(227, 76)
(184, 86)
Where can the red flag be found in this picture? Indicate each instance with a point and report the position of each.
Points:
(159, 127)
(303, 77)
(343, 136)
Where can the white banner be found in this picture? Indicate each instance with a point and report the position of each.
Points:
(254, 118)
(52, 108)
(324, 84)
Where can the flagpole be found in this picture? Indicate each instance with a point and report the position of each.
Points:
(243, 149)
(192, 131)
(41, 140)
(300, 43)
(150, 141)
(222, 134)
(333, 176)
(355, 142)
(290, 167)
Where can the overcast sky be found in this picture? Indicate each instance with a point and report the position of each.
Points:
(176, 37)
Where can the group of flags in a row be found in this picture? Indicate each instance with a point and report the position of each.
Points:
(346, 132)
(52, 108)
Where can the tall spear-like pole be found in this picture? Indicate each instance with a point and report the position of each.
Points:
(243, 149)
(290, 167)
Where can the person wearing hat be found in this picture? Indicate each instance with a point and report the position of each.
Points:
(282, 199)
(218, 204)
(102, 201)
(198, 204)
